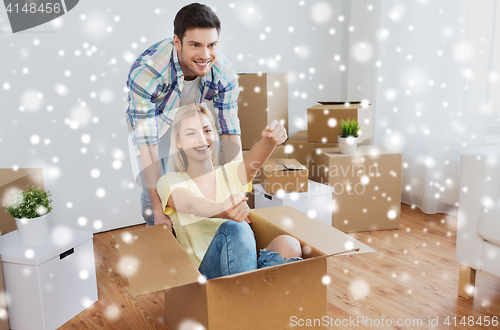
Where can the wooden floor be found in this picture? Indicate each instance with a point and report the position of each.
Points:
(412, 278)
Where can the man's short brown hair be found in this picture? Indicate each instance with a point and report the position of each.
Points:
(195, 15)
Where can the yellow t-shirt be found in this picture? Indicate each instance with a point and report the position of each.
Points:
(195, 233)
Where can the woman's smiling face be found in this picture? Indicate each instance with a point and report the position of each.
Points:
(196, 137)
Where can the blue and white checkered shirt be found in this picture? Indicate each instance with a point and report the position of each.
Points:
(155, 82)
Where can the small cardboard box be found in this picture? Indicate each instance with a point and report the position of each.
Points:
(10, 183)
(323, 120)
(279, 152)
(314, 202)
(283, 174)
(260, 299)
(263, 97)
(301, 149)
(366, 187)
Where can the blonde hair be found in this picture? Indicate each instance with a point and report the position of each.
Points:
(178, 155)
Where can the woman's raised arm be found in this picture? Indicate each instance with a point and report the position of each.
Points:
(274, 134)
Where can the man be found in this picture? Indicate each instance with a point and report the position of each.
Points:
(168, 75)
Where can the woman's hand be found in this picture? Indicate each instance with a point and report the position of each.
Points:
(273, 135)
(236, 208)
(275, 131)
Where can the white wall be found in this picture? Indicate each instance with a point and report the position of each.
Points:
(59, 100)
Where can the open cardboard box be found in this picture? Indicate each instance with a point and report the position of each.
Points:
(279, 152)
(260, 299)
(302, 150)
(283, 174)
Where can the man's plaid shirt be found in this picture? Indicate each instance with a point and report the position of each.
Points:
(155, 82)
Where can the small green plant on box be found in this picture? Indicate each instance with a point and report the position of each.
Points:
(33, 203)
(349, 128)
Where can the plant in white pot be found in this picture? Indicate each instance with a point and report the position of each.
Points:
(31, 209)
(348, 138)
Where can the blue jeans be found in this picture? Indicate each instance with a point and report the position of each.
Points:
(231, 251)
(271, 258)
(147, 210)
(163, 151)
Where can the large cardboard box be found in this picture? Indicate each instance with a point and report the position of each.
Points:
(314, 202)
(260, 299)
(323, 120)
(263, 97)
(301, 149)
(366, 187)
(283, 174)
(11, 181)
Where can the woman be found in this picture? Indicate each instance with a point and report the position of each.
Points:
(207, 204)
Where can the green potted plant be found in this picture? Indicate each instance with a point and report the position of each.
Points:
(348, 138)
(31, 209)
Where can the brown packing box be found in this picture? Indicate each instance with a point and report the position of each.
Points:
(283, 174)
(263, 97)
(302, 150)
(10, 183)
(251, 197)
(366, 187)
(260, 299)
(279, 152)
(323, 121)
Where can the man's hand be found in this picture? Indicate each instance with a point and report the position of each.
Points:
(236, 208)
(162, 218)
(150, 164)
(275, 131)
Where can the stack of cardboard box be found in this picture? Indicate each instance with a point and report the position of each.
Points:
(265, 97)
(367, 184)
(366, 187)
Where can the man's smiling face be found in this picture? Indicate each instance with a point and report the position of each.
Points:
(197, 52)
